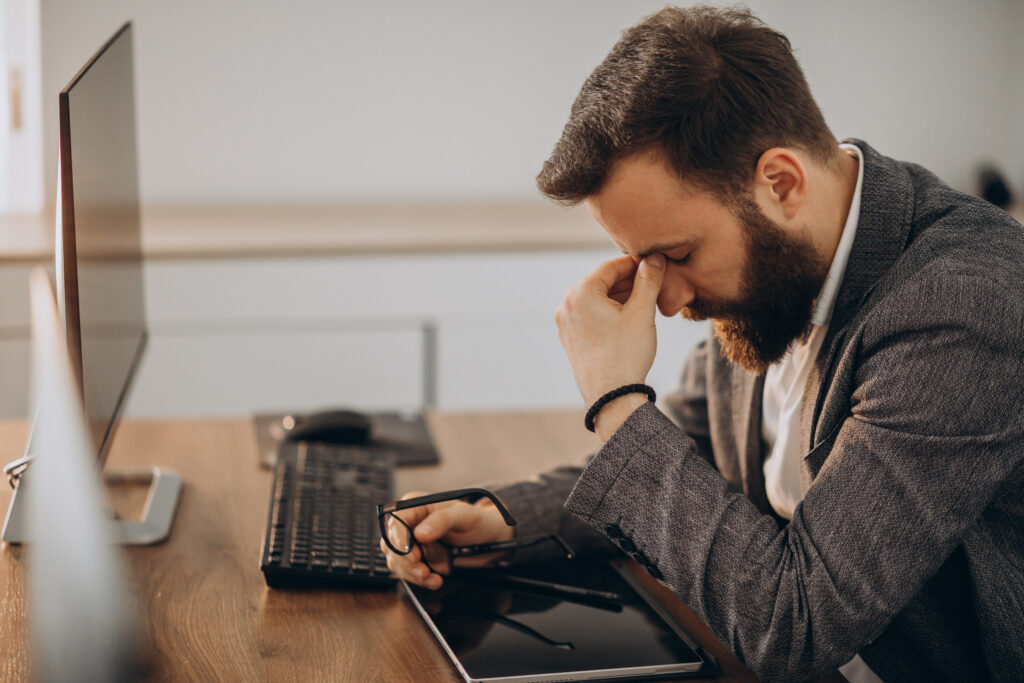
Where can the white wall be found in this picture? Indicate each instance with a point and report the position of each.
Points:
(243, 100)
(931, 82)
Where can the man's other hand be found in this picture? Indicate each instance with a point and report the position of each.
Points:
(606, 324)
(453, 522)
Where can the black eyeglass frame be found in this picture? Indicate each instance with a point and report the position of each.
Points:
(470, 495)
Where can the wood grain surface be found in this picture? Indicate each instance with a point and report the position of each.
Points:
(207, 613)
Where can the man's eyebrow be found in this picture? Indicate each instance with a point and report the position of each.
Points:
(661, 248)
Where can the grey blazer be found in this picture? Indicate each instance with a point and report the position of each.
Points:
(908, 547)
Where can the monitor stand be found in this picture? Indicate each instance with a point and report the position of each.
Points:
(157, 515)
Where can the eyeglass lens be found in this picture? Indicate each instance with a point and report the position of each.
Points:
(400, 538)
(399, 535)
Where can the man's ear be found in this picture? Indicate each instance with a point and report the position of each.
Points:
(780, 183)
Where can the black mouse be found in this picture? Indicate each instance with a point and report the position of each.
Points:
(331, 426)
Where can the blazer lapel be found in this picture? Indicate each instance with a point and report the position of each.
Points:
(883, 229)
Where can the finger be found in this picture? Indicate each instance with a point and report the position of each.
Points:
(400, 562)
(621, 290)
(421, 573)
(401, 568)
(438, 558)
(609, 273)
(647, 283)
(408, 567)
(413, 516)
(441, 521)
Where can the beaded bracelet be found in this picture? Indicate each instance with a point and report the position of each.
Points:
(588, 421)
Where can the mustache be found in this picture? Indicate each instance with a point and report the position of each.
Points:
(704, 309)
(757, 331)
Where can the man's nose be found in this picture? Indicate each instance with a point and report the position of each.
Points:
(676, 292)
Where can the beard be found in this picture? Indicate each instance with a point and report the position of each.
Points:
(783, 275)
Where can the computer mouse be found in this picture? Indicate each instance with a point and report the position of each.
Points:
(330, 426)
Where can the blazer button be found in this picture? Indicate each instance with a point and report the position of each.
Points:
(613, 531)
(655, 572)
(627, 545)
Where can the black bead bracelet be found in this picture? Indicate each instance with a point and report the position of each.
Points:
(588, 421)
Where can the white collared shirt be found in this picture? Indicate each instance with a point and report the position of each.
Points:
(783, 397)
(784, 382)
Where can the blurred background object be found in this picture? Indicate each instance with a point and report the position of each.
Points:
(992, 187)
(21, 120)
(85, 625)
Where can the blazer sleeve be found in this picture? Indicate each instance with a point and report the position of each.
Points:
(933, 434)
(539, 504)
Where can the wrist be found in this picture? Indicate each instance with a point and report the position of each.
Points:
(499, 531)
(615, 412)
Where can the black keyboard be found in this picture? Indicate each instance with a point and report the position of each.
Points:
(322, 528)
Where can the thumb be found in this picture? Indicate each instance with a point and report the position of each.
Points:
(442, 520)
(413, 516)
(647, 283)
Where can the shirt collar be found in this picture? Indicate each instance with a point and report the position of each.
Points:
(826, 300)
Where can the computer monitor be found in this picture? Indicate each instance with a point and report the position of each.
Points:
(99, 245)
(98, 259)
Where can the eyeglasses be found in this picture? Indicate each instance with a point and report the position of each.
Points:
(399, 537)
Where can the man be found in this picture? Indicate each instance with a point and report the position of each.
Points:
(839, 478)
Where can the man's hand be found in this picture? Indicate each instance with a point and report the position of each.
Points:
(606, 325)
(455, 522)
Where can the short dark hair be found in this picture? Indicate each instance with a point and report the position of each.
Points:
(709, 89)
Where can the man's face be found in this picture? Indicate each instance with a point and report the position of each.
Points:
(754, 280)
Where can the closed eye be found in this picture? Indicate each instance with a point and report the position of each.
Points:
(678, 261)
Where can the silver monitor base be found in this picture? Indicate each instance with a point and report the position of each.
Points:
(157, 515)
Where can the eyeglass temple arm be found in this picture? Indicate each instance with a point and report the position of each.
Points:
(470, 494)
(514, 544)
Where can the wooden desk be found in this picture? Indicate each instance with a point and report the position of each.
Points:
(207, 612)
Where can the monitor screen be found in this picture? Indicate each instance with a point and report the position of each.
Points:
(99, 254)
